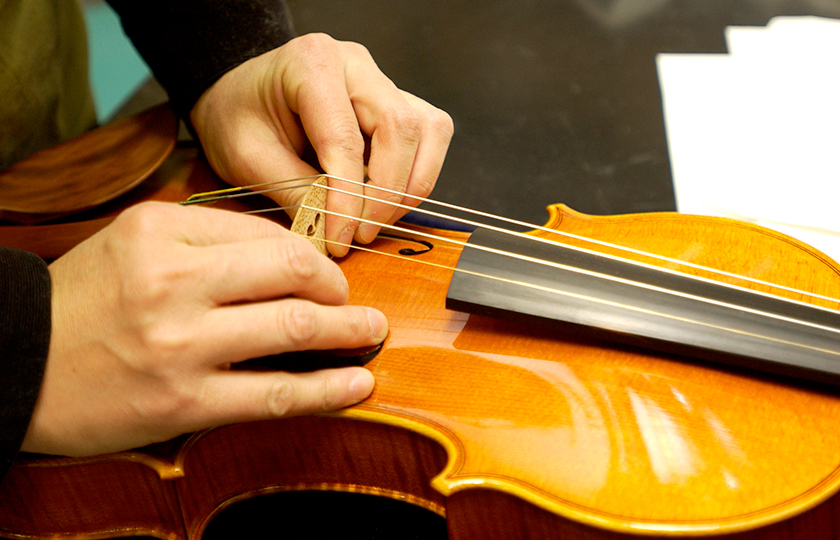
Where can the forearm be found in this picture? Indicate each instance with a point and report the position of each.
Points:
(24, 344)
(189, 44)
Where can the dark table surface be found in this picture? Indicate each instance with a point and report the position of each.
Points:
(553, 100)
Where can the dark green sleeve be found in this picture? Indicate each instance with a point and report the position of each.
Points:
(24, 344)
(189, 44)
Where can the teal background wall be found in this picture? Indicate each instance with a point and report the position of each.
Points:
(116, 70)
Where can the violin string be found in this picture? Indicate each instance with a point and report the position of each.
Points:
(592, 299)
(599, 254)
(568, 268)
(244, 191)
(249, 190)
(587, 298)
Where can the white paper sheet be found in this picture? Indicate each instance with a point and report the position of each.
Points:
(755, 134)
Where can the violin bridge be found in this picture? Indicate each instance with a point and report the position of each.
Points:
(310, 220)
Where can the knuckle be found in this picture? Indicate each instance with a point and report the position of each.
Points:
(298, 323)
(329, 394)
(319, 46)
(159, 353)
(403, 122)
(143, 219)
(157, 277)
(344, 135)
(300, 260)
(441, 124)
(358, 50)
(391, 201)
(166, 342)
(314, 45)
(175, 405)
(422, 186)
(281, 398)
(151, 286)
(315, 54)
(358, 325)
(163, 395)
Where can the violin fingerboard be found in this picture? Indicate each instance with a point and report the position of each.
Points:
(507, 276)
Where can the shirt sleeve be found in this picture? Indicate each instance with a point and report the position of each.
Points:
(24, 343)
(189, 44)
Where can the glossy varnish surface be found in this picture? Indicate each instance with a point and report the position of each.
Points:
(612, 436)
(542, 433)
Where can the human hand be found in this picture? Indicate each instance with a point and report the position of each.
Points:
(149, 313)
(255, 122)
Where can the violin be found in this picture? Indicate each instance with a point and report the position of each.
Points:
(510, 427)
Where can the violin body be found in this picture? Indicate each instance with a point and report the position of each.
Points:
(508, 428)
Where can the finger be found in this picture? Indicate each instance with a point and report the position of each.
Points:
(240, 332)
(394, 127)
(264, 269)
(328, 117)
(428, 157)
(239, 396)
(435, 137)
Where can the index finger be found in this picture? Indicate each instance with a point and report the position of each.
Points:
(329, 120)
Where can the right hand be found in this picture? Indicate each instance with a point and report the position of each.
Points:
(149, 313)
(255, 121)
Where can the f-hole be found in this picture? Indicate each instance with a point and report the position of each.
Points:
(408, 252)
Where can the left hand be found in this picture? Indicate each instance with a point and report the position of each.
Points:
(255, 122)
(149, 314)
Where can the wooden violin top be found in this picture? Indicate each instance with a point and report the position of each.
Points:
(615, 437)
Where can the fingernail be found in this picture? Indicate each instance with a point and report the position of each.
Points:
(378, 324)
(362, 385)
(367, 232)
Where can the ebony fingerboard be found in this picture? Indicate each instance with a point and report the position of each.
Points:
(664, 311)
